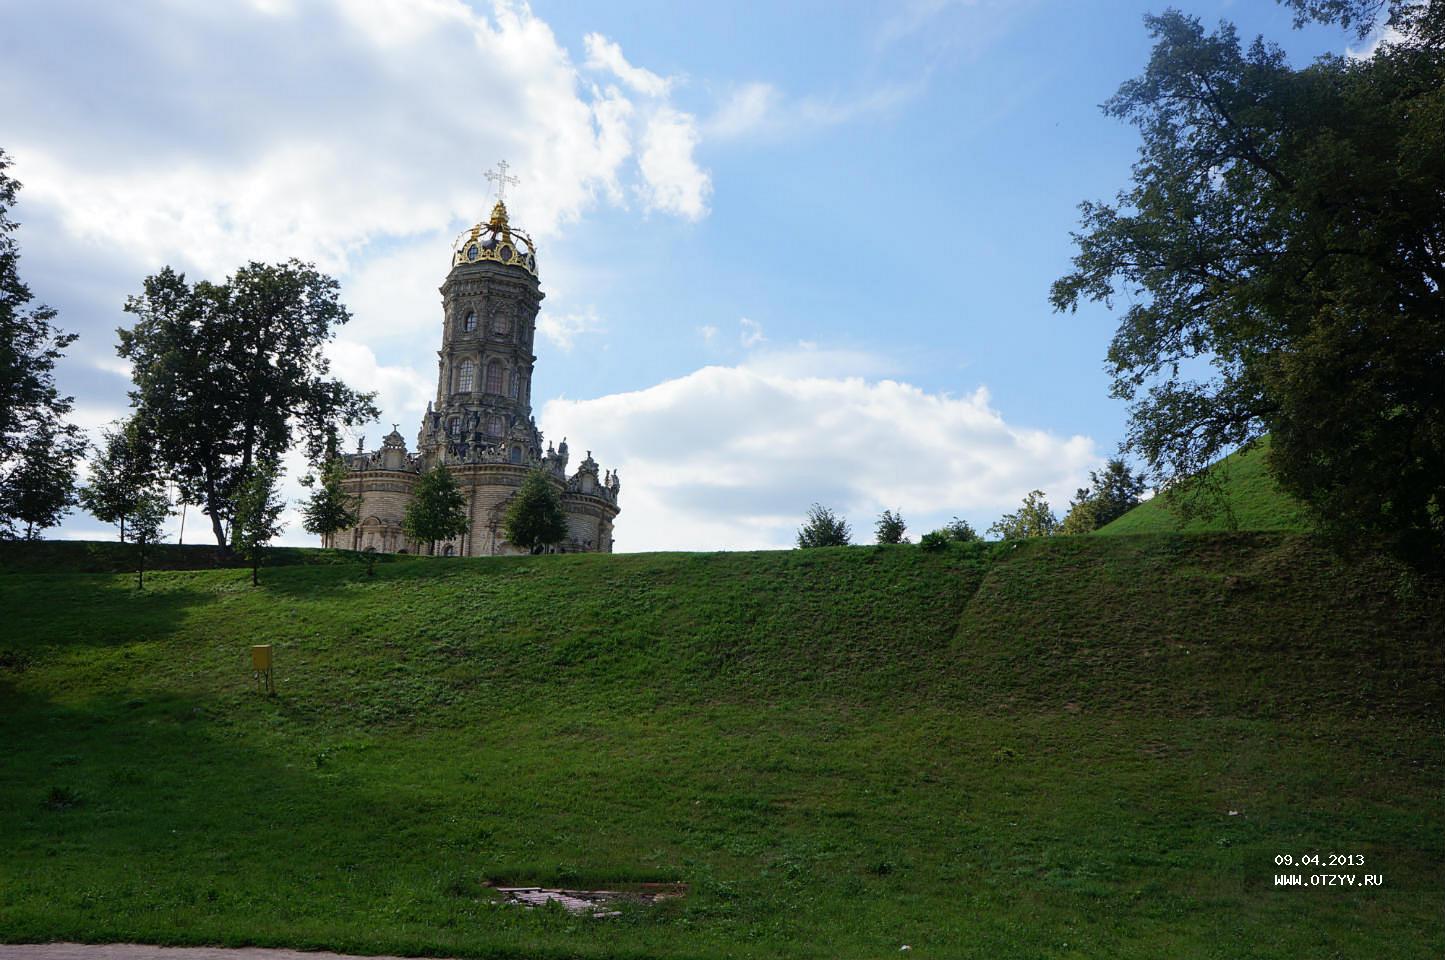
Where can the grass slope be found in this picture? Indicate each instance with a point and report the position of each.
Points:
(1252, 501)
(1083, 747)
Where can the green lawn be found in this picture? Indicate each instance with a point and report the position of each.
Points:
(1085, 747)
(1251, 500)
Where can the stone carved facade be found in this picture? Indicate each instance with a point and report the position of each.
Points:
(480, 423)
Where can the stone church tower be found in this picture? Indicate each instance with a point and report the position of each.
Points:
(480, 423)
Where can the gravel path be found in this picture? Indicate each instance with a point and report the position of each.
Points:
(136, 951)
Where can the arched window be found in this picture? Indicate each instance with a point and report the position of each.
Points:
(470, 323)
(502, 324)
(516, 455)
(494, 377)
(466, 376)
(494, 426)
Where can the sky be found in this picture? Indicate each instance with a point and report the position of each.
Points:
(792, 252)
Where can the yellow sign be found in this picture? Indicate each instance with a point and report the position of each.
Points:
(261, 667)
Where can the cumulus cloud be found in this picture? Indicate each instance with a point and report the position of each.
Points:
(277, 146)
(673, 182)
(731, 457)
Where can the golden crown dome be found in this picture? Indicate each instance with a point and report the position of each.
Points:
(497, 241)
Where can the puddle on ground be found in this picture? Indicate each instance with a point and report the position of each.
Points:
(596, 903)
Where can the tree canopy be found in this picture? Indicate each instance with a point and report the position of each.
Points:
(230, 375)
(438, 508)
(1282, 249)
(330, 509)
(824, 528)
(1111, 493)
(890, 528)
(257, 518)
(535, 519)
(38, 448)
(1033, 518)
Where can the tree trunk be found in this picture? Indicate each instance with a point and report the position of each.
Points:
(141, 568)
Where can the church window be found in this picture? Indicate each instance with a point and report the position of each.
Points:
(454, 425)
(494, 426)
(502, 324)
(470, 323)
(516, 454)
(494, 377)
(516, 381)
(466, 377)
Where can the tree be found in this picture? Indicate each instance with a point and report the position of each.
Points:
(257, 517)
(230, 375)
(148, 513)
(1032, 519)
(534, 517)
(1110, 494)
(1285, 233)
(122, 472)
(40, 488)
(958, 531)
(330, 509)
(438, 508)
(890, 528)
(38, 449)
(823, 529)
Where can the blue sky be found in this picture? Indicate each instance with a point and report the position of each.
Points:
(792, 252)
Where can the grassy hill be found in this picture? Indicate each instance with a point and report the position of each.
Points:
(1253, 502)
(1082, 747)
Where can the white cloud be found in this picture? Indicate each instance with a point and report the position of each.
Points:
(748, 108)
(328, 152)
(731, 457)
(750, 333)
(604, 54)
(674, 183)
(761, 109)
(708, 332)
(564, 329)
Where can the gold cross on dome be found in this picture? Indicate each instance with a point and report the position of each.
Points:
(500, 178)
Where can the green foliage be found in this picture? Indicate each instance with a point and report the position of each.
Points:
(823, 529)
(229, 375)
(1284, 227)
(38, 449)
(821, 744)
(1243, 497)
(1032, 519)
(534, 519)
(40, 488)
(148, 513)
(257, 518)
(438, 508)
(123, 471)
(935, 540)
(890, 528)
(1110, 494)
(330, 509)
(959, 531)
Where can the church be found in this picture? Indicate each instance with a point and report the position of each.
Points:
(480, 423)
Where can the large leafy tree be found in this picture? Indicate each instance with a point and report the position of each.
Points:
(38, 448)
(230, 375)
(535, 519)
(438, 508)
(1282, 248)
